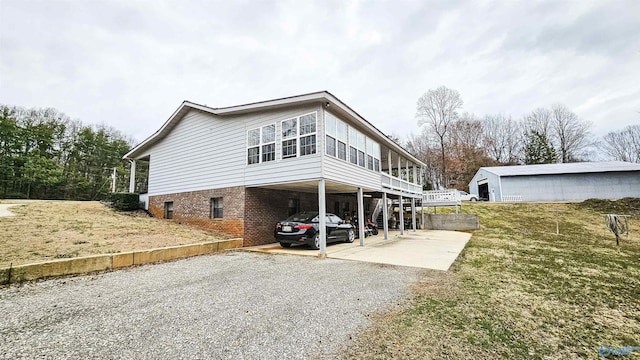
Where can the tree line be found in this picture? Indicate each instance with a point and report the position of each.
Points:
(455, 144)
(46, 155)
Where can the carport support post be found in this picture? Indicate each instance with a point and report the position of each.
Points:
(132, 176)
(401, 216)
(385, 216)
(361, 220)
(422, 211)
(322, 219)
(413, 213)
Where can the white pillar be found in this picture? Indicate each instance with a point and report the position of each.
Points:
(322, 219)
(407, 169)
(422, 211)
(413, 213)
(132, 176)
(385, 215)
(415, 174)
(399, 168)
(361, 220)
(389, 163)
(113, 181)
(401, 216)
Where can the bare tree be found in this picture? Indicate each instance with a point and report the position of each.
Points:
(570, 133)
(420, 146)
(623, 145)
(501, 138)
(438, 109)
(539, 120)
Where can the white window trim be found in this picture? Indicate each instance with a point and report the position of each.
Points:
(298, 136)
(260, 144)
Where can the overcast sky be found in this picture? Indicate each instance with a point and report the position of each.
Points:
(129, 64)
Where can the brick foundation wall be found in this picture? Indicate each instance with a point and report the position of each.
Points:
(265, 207)
(194, 208)
(249, 213)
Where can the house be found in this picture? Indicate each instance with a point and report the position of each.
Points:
(557, 182)
(241, 169)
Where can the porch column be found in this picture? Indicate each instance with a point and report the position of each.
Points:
(385, 215)
(401, 216)
(407, 169)
(361, 220)
(422, 211)
(413, 213)
(415, 174)
(132, 176)
(389, 163)
(322, 219)
(399, 168)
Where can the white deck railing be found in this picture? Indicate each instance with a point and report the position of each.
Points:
(512, 198)
(441, 197)
(394, 183)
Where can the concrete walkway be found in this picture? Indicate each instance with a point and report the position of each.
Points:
(428, 249)
(4, 210)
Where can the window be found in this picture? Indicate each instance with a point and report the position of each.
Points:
(289, 148)
(331, 146)
(293, 206)
(299, 131)
(353, 155)
(344, 141)
(261, 141)
(342, 151)
(216, 208)
(168, 210)
(336, 139)
(308, 145)
(341, 136)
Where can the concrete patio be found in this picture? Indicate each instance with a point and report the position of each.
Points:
(428, 249)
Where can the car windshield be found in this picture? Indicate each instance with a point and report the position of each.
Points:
(302, 216)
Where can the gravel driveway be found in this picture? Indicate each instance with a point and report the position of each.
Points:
(234, 305)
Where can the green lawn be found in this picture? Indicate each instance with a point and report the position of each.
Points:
(519, 290)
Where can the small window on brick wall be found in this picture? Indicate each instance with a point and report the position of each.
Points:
(293, 206)
(216, 208)
(168, 210)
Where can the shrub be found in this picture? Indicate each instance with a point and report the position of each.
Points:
(124, 201)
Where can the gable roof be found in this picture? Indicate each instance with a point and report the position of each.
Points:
(568, 168)
(329, 99)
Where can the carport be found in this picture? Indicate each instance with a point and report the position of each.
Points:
(323, 188)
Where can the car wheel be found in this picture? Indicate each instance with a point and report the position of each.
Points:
(285, 245)
(315, 242)
(351, 235)
(474, 199)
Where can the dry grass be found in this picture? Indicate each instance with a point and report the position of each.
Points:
(520, 291)
(46, 230)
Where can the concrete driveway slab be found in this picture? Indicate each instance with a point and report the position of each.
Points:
(428, 249)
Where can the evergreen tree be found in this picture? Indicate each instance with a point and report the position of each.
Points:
(538, 149)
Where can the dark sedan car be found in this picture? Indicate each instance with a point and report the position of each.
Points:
(302, 228)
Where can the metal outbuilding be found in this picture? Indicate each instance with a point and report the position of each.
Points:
(557, 182)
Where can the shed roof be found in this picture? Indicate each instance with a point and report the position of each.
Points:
(568, 168)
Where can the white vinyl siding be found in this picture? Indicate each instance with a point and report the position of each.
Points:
(343, 172)
(205, 151)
